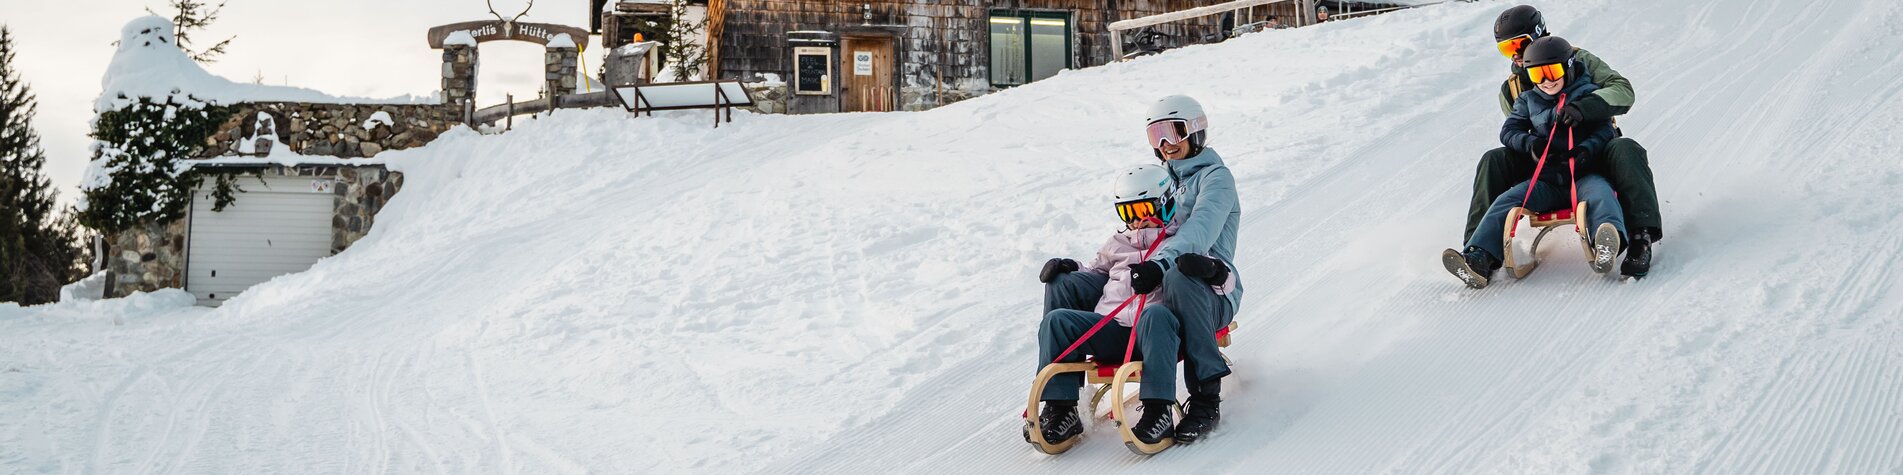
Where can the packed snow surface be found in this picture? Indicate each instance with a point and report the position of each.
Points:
(854, 293)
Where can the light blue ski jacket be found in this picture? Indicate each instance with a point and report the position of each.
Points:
(1207, 215)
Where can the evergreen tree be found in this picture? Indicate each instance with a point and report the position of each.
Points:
(192, 16)
(681, 53)
(39, 251)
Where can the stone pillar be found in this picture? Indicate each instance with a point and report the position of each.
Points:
(146, 258)
(561, 69)
(459, 75)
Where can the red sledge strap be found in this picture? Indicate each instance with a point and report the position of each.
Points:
(1547, 152)
(1113, 315)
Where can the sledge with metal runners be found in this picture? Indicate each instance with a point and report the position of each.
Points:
(1109, 379)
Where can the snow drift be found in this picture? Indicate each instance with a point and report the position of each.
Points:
(854, 292)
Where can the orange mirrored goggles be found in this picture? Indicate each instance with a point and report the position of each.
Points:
(1135, 210)
(1540, 74)
(1512, 46)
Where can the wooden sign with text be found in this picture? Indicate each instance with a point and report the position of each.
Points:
(496, 30)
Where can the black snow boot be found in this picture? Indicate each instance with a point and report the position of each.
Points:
(1638, 254)
(1059, 422)
(1202, 412)
(1156, 423)
(1475, 267)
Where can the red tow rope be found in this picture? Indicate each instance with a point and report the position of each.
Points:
(1547, 152)
(1113, 314)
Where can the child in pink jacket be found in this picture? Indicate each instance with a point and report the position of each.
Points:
(1145, 200)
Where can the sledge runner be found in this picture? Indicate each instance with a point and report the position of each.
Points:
(1622, 162)
(1565, 153)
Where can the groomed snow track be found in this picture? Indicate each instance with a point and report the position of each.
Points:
(854, 293)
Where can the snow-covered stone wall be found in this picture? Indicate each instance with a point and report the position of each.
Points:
(333, 130)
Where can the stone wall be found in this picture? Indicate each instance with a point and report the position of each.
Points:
(336, 130)
(768, 98)
(361, 193)
(145, 259)
(153, 257)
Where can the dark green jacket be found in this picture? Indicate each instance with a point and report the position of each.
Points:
(1613, 98)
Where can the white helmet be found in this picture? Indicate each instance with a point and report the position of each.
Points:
(1178, 107)
(1150, 184)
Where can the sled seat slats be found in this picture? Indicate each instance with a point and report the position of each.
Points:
(1556, 218)
(1106, 371)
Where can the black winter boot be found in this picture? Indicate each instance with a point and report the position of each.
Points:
(1157, 422)
(1059, 422)
(1475, 267)
(1638, 253)
(1202, 412)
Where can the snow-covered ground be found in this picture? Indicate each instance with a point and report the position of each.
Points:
(854, 293)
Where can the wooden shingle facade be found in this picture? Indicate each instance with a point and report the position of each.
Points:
(882, 55)
(871, 55)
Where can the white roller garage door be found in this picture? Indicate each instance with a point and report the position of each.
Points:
(279, 227)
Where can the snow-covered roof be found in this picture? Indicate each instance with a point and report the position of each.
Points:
(149, 64)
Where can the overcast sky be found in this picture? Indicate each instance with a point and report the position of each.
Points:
(355, 48)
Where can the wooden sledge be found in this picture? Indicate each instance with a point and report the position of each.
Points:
(1546, 223)
(1110, 379)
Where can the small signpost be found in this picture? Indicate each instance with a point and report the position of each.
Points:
(862, 63)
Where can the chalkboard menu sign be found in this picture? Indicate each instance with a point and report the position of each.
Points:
(812, 71)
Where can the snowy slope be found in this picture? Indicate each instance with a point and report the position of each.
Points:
(854, 293)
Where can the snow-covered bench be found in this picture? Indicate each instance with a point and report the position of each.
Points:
(717, 95)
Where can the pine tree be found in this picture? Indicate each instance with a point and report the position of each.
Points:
(681, 54)
(191, 16)
(39, 251)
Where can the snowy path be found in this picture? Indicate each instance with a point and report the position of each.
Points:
(854, 294)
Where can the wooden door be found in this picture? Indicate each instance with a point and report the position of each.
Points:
(867, 64)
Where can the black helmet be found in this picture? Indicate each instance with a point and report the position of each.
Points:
(1548, 50)
(1520, 20)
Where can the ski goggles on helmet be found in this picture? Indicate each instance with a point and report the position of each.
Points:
(1513, 46)
(1131, 211)
(1173, 131)
(1543, 73)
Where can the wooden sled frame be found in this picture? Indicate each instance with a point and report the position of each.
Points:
(1546, 222)
(1109, 380)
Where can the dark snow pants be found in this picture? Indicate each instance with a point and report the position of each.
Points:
(1624, 164)
(1181, 320)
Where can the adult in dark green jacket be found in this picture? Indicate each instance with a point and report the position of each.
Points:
(1622, 162)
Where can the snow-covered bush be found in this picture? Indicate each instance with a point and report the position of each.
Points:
(140, 156)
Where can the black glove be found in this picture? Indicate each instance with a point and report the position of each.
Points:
(1145, 277)
(1213, 272)
(1556, 170)
(1536, 147)
(1571, 115)
(1056, 267)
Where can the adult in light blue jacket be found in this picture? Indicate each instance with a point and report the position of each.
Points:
(1193, 287)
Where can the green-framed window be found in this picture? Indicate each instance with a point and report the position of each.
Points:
(1028, 46)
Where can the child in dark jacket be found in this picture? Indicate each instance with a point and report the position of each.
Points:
(1570, 156)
